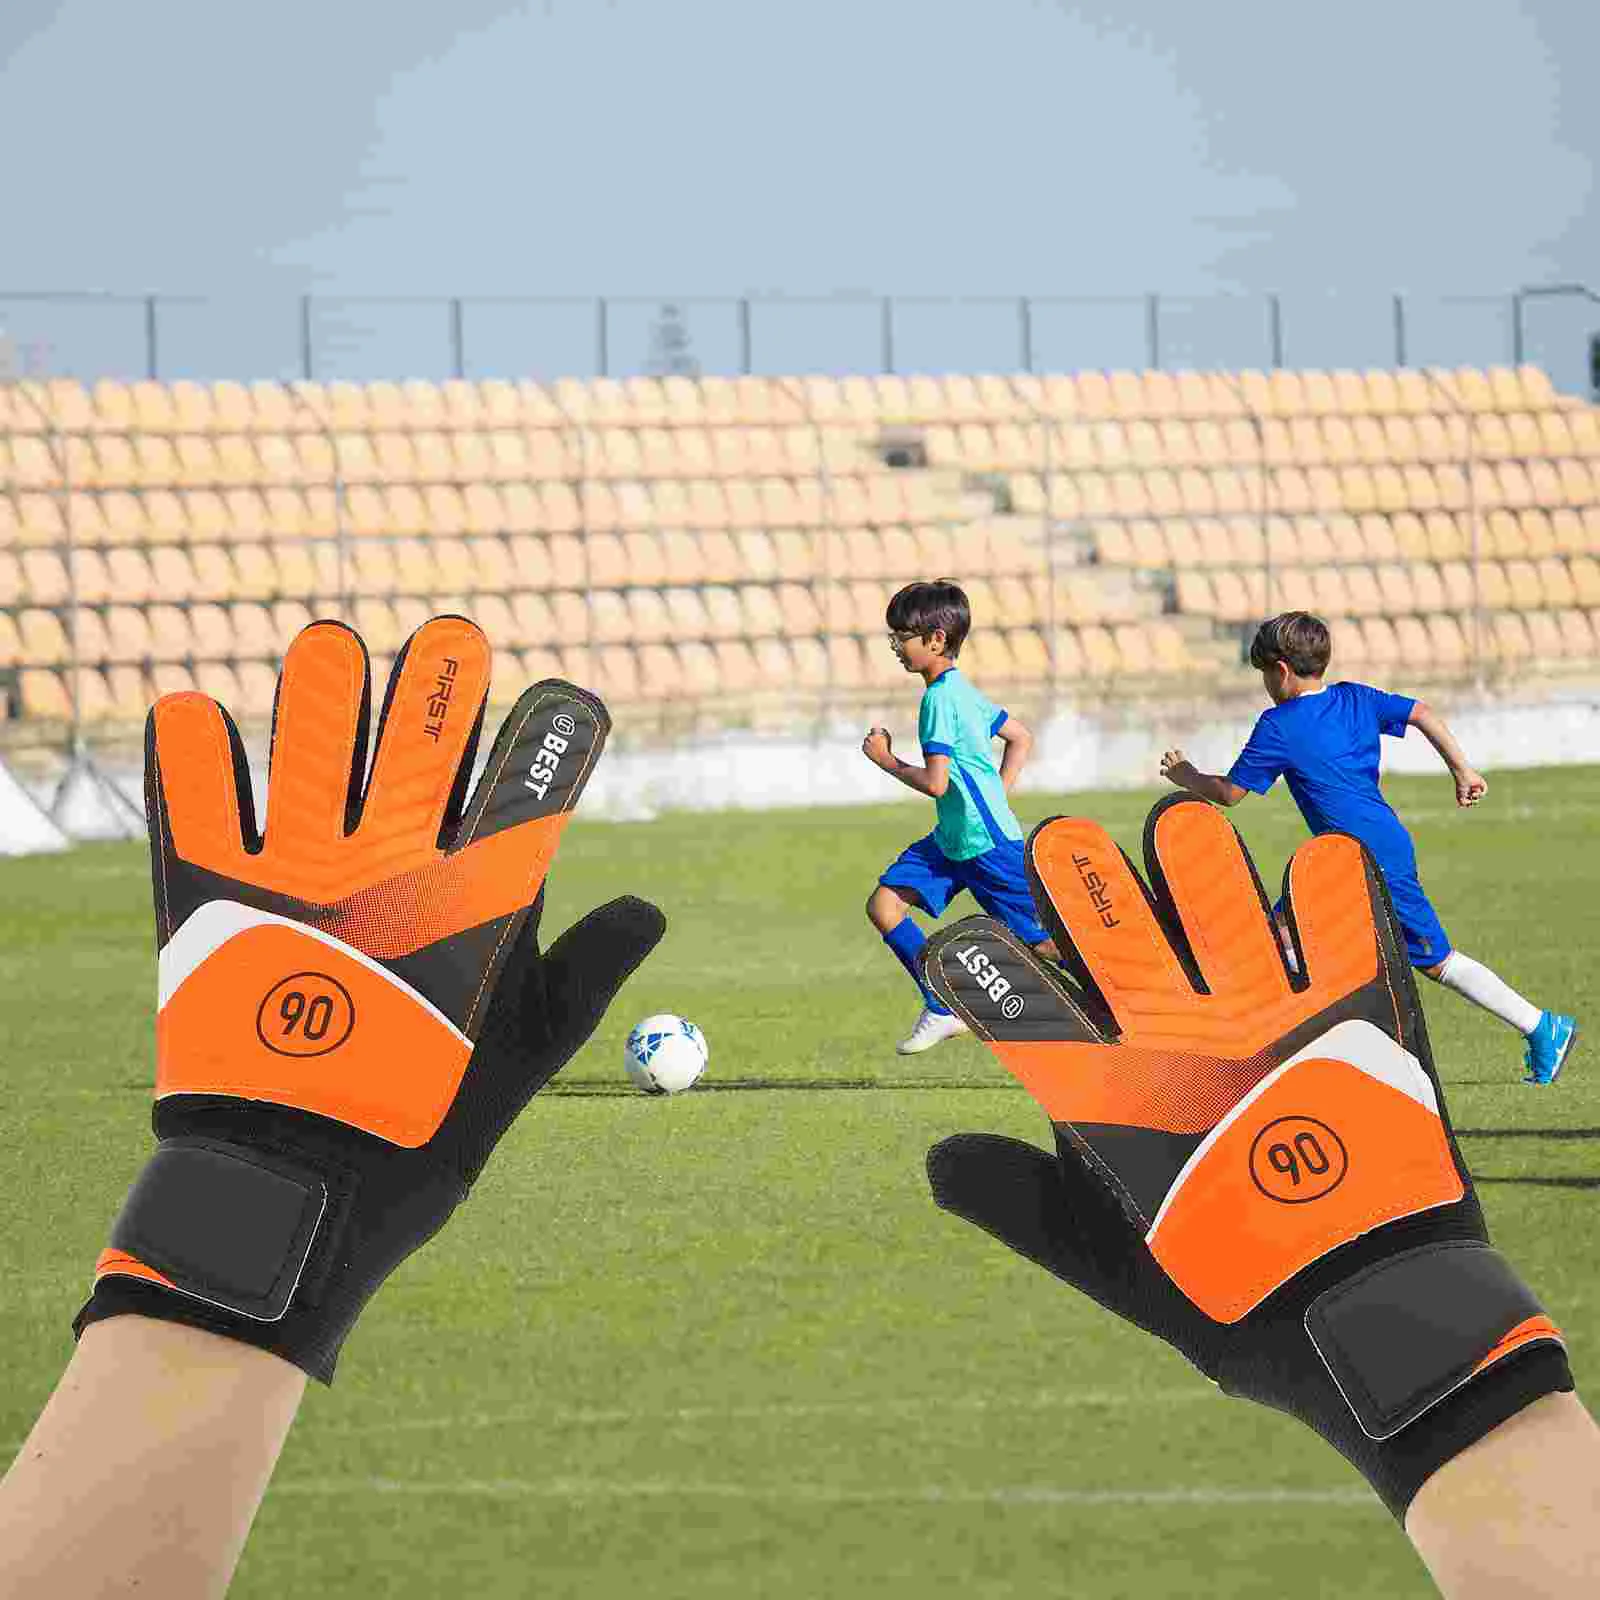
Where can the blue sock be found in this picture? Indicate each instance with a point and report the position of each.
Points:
(906, 939)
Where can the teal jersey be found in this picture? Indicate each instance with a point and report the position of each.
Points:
(974, 813)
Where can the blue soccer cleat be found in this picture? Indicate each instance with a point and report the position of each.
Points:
(1549, 1045)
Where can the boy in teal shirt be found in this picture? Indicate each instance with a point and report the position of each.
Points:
(976, 843)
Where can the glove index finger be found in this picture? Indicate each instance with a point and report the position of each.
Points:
(1104, 921)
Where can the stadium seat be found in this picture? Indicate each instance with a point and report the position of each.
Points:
(1544, 636)
(44, 696)
(1577, 637)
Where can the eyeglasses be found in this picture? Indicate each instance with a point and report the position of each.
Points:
(905, 636)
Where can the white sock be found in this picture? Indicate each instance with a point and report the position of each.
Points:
(1496, 996)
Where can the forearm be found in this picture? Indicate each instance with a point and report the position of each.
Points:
(1013, 761)
(1436, 731)
(918, 778)
(1207, 785)
(1518, 1513)
(144, 1471)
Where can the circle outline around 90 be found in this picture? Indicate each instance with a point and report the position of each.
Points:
(1318, 1194)
(323, 1049)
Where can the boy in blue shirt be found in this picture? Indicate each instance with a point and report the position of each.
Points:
(977, 842)
(1323, 739)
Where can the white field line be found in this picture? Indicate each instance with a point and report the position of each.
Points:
(820, 1493)
(627, 1416)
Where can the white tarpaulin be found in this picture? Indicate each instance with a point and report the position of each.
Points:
(24, 829)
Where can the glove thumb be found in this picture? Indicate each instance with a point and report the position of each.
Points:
(1056, 1212)
(586, 966)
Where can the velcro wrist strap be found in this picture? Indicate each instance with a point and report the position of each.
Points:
(1410, 1330)
(223, 1223)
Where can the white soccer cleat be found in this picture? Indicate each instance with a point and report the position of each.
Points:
(933, 1027)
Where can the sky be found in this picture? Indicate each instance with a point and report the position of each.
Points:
(814, 158)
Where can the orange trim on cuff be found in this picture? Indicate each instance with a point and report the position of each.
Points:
(118, 1263)
(1528, 1331)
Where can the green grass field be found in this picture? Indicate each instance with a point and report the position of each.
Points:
(724, 1345)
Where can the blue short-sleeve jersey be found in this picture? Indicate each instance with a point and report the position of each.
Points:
(1325, 746)
(974, 813)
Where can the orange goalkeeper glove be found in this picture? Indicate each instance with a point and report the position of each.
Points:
(353, 1007)
(1254, 1165)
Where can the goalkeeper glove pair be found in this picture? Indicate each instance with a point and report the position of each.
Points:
(1254, 1165)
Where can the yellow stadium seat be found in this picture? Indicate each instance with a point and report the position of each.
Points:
(1346, 538)
(44, 577)
(1412, 642)
(1397, 588)
(1363, 597)
(128, 693)
(1381, 643)
(1555, 586)
(1544, 635)
(1448, 644)
(169, 632)
(1507, 638)
(1501, 534)
(1427, 586)
(1577, 637)
(258, 688)
(255, 572)
(253, 631)
(659, 675)
(44, 696)
(1350, 394)
(1195, 595)
(1585, 573)
(1537, 534)
(211, 633)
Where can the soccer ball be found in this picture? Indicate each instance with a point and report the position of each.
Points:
(665, 1054)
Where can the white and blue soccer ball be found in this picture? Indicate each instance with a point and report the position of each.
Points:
(666, 1054)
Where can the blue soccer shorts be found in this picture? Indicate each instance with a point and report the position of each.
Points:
(997, 880)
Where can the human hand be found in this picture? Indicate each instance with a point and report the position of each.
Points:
(1175, 767)
(1471, 786)
(353, 1006)
(1254, 1166)
(877, 749)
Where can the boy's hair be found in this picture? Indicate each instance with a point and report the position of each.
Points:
(1296, 638)
(921, 607)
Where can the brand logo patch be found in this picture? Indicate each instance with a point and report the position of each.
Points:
(547, 758)
(439, 701)
(1296, 1159)
(305, 1014)
(1099, 891)
(990, 979)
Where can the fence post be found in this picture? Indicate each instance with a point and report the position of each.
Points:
(1517, 331)
(1152, 330)
(887, 316)
(1275, 328)
(458, 338)
(1025, 330)
(746, 342)
(152, 355)
(1399, 329)
(307, 360)
(602, 336)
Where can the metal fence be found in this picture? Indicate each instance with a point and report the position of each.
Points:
(89, 334)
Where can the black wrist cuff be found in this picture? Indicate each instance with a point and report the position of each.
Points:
(224, 1224)
(1412, 1328)
(1430, 1350)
